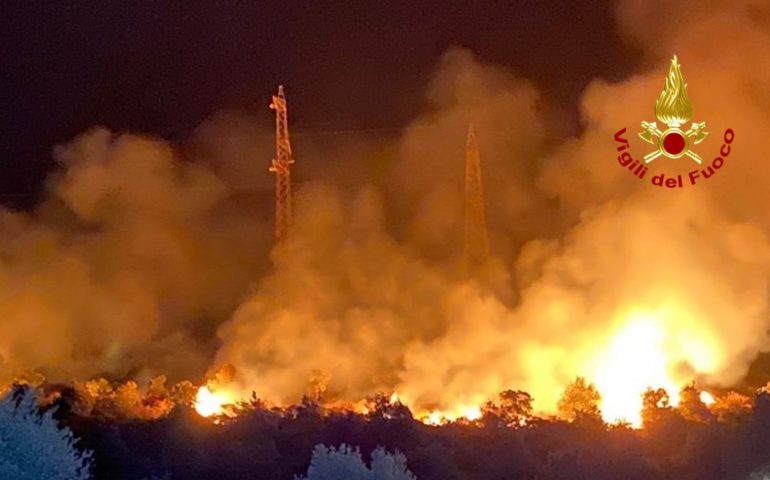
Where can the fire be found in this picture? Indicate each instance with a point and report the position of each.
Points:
(440, 417)
(707, 398)
(209, 402)
(471, 413)
(642, 354)
(646, 349)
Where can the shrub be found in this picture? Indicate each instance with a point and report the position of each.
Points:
(33, 447)
(345, 463)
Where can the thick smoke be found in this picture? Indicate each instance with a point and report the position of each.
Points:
(144, 262)
(613, 266)
(125, 267)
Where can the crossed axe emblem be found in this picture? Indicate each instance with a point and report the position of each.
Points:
(673, 142)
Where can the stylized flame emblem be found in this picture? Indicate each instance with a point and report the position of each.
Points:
(674, 109)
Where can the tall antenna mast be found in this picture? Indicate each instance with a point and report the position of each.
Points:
(476, 243)
(281, 166)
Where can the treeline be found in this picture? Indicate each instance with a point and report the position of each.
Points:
(727, 440)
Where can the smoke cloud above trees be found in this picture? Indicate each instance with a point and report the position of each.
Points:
(147, 258)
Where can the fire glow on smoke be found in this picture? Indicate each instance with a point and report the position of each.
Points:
(640, 354)
(593, 275)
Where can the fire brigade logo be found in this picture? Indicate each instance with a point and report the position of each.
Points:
(674, 110)
(672, 139)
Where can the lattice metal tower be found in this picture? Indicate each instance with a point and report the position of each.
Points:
(476, 242)
(281, 166)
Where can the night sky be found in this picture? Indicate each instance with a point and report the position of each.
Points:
(163, 67)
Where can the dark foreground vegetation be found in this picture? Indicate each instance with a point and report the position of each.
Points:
(690, 442)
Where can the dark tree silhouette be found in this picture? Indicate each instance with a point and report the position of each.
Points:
(513, 409)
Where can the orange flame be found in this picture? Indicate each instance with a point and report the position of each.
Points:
(707, 398)
(209, 402)
(641, 354)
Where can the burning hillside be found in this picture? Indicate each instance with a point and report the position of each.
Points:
(218, 400)
(700, 437)
(151, 279)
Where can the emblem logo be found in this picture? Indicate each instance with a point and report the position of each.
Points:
(674, 110)
(673, 139)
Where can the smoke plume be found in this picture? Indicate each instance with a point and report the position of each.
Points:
(148, 259)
